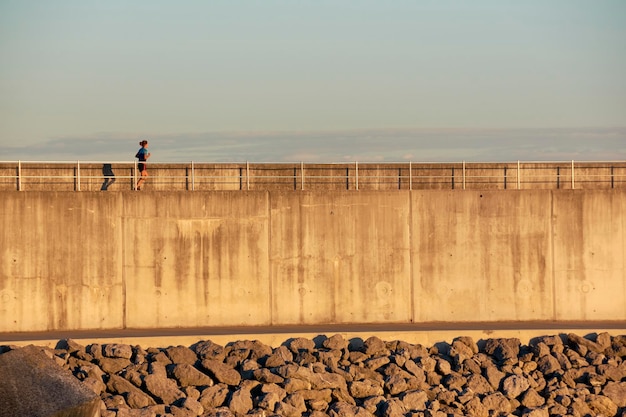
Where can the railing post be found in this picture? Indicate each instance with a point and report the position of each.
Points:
(518, 176)
(302, 174)
(78, 175)
(612, 178)
(463, 174)
(356, 173)
(410, 176)
(19, 175)
(193, 177)
(247, 176)
(572, 174)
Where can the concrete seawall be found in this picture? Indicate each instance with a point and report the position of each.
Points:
(91, 260)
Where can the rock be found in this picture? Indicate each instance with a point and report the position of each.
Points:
(213, 397)
(493, 375)
(135, 397)
(532, 399)
(478, 384)
(219, 412)
(475, 408)
(498, 403)
(504, 351)
(365, 388)
(296, 400)
(455, 381)
(296, 384)
(192, 405)
(69, 345)
(341, 409)
(221, 372)
(580, 344)
(601, 405)
(287, 410)
(616, 391)
(113, 365)
(612, 372)
(264, 375)
(280, 356)
(392, 407)
(377, 362)
(241, 401)
(33, 384)
(208, 350)
(371, 377)
(327, 380)
(374, 346)
(548, 364)
(162, 388)
(514, 385)
(335, 342)
(116, 350)
(536, 412)
(414, 400)
(187, 375)
(301, 344)
(181, 355)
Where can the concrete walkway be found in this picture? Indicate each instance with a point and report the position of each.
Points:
(426, 334)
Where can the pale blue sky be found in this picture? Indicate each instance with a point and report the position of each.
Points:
(279, 80)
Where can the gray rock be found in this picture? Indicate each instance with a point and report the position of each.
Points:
(580, 344)
(116, 350)
(187, 375)
(478, 384)
(475, 408)
(536, 412)
(498, 403)
(335, 342)
(493, 375)
(221, 372)
(135, 397)
(192, 405)
(301, 344)
(296, 384)
(113, 365)
(365, 388)
(514, 385)
(241, 401)
(264, 375)
(532, 399)
(33, 384)
(181, 355)
(504, 351)
(548, 364)
(280, 356)
(213, 397)
(208, 350)
(374, 346)
(616, 391)
(164, 389)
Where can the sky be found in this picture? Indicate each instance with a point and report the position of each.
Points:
(313, 81)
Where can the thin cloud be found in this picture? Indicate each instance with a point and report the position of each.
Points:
(373, 145)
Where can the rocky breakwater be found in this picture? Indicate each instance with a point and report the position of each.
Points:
(565, 375)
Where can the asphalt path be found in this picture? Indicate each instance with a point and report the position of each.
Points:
(364, 330)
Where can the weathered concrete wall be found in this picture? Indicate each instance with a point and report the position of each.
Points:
(92, 260)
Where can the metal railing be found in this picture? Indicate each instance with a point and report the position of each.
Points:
(192, 176)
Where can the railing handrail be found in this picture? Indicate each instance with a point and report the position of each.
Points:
(130, 162)
(514, 176)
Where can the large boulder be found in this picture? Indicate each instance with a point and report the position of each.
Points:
(33, 384)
